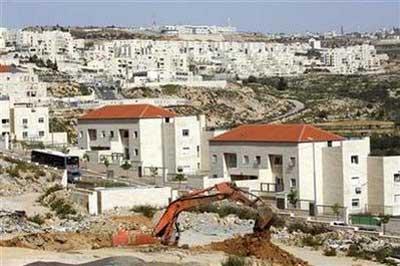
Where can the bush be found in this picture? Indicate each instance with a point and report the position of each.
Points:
(234, 261)
(313, 229)
(126, 165)
(146, 210)
(311, 241)
(40, 173)
(13, 171)
(330, 252)
(37, 219)
(225, 210)
(62, 208)
(49, 191)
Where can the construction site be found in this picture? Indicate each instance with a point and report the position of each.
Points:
(44, 221)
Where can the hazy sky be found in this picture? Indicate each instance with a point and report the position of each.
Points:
(248, 15)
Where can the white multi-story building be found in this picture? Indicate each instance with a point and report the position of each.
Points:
(30, 123)
(54, 45)
(320, 166)
(146, 135)
(20, 85)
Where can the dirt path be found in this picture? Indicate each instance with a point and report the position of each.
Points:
(26, 202)
(22, 256)
(316, 258)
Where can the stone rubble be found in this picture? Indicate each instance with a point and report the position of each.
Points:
(16, 222)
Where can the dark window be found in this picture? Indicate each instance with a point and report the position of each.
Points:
(111, 134)
(258, 160)
(396, 177)
(5, 121)
(329, 143)
(354, 159)
(185, 132)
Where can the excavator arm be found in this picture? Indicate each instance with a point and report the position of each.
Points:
(165, 226)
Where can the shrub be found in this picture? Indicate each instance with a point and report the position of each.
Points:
(62, 208)
(330, 252)
(234, 261)
(126, 165)
(311, 241)
(146, 210)
(49, 191)
(313, 229)
(225, 210)
(40, 173)
(13, 171)
(37, 219)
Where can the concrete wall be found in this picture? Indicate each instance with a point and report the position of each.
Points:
(130, 197)
(332, 176)
(383, 191)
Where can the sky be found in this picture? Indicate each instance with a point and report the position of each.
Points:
(268, 16)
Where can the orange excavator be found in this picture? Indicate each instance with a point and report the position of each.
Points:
(167, 224)
(168, 221)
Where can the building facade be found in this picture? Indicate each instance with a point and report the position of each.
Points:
(146, 135)
(321, 167)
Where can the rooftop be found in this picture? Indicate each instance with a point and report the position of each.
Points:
(8, 69)
(127, 111)
(284, 133)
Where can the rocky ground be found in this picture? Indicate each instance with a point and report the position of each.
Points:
(222, 107)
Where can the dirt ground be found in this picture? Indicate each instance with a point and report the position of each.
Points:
(257, 245)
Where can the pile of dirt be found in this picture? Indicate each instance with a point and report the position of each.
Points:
(257, 245)
(59, 241)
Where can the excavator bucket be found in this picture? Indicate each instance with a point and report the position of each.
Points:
(264, 219)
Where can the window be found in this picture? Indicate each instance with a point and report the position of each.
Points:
(278, 160)
(41, 133)
(355, 203)
(258, 160)
(126, 134)
(24, 134)
(103, 133)
(215, 176)
(111, 134)
(396, 177)
(293, 182)
(136, 152)
(185, 132)
(292, 161)
(135, 134)
(214, 158)
(330, 143)
(24, 121)
(41, 120)
(167, 120)
(198, 150)
(5, 121)
(186, 148)
(354, 159)
(80, 134)
(358, 190)
(245, 159)
(92, 134)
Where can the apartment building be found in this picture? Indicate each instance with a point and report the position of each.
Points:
(5, 127)
(21, 85)
(384, 184)
(144, 134)
(30, 123)
(320, 166)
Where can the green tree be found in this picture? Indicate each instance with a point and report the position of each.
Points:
(293, 197)
(106, 163)
(336, 209)
(180, 178)
(384, 220)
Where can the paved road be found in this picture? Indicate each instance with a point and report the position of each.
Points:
(298, 107)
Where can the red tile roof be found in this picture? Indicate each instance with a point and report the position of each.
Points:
(8, 69)
(286, 133)
(127, 111)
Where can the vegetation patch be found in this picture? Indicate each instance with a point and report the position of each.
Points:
(146, 210)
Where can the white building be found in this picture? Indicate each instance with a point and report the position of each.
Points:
(5, 126)
(146, 135)
(20, 85)
(320, 166)
(30, 123)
